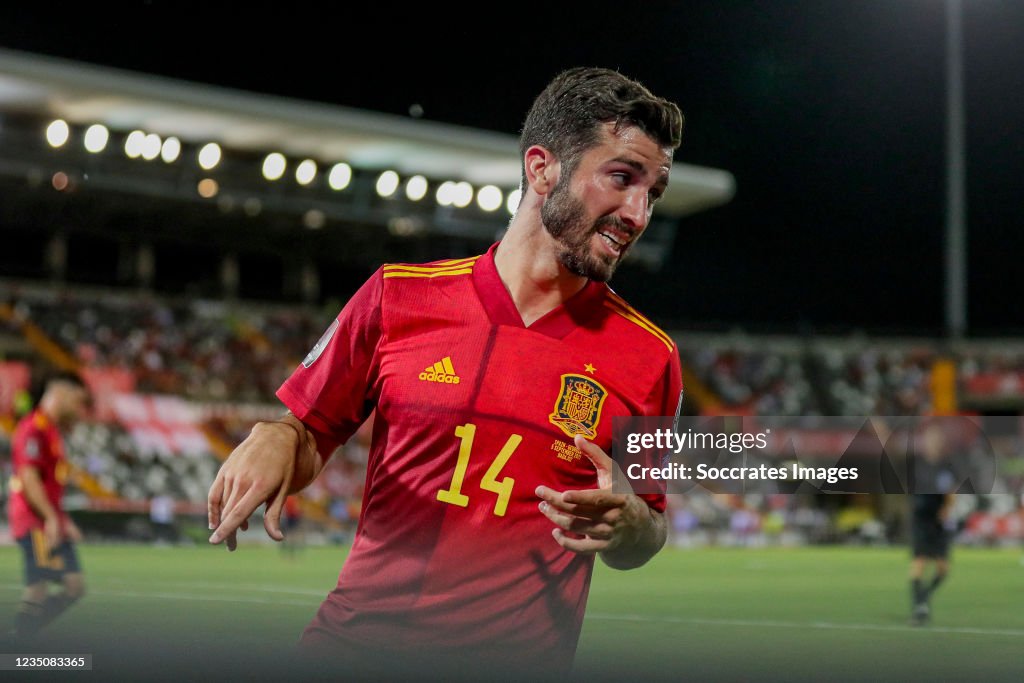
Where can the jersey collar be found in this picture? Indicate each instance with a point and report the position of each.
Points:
(581, 308)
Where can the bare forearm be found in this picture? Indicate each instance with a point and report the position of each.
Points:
(650, 533)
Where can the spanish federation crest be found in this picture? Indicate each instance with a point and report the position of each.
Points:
(578, 408)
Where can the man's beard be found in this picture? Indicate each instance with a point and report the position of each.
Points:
(564, 217)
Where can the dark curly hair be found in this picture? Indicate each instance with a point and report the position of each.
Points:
(566, 117)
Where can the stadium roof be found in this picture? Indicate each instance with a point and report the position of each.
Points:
(85, 94)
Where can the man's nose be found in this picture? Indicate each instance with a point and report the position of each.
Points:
(635, 211)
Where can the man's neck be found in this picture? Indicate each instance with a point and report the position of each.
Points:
(527, 263)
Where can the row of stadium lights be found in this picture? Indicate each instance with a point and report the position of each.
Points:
(150, 146)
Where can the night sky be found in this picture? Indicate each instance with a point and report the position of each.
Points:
(830, 114)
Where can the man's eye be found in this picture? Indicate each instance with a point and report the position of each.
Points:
(621, 178)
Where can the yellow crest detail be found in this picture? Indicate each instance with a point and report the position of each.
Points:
(578, 407)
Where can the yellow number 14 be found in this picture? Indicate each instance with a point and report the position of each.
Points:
(454, 495)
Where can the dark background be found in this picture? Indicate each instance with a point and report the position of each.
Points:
(830, 114)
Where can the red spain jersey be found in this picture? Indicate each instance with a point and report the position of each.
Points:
(474, 411)
(37, 443)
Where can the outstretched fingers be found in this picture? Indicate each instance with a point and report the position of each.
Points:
(235, 513)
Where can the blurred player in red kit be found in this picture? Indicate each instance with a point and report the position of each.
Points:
(293, 537)
(495, 379)
(46, 534)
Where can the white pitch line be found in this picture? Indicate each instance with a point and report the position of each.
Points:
(694, 621)
(200, 598)
(690, 621)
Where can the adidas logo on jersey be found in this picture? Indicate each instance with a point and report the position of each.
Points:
(442, 372)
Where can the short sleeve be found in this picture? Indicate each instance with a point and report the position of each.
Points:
(330, 390)
(667, 394)
(665, 399)
(28, 445)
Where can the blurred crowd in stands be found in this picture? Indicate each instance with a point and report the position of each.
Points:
(848, 376)
(229, 359)
(198, 349)
(816, 379)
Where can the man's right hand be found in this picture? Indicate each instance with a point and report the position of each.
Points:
(258, 471)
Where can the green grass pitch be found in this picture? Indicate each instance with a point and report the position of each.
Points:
(808, 614)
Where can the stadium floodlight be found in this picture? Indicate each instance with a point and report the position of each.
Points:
(489, 198)
(151, 147)
(512, 203)
(207, 188)
(416, 188)
(446, 193)
(209, 156)
(462, 195)
(133, 144)
(306, 172)
(96, 137)
(170, 150)
(340, 176)
(274, 166)
(387, 183)
(57, 133)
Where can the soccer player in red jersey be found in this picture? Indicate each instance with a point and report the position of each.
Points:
(494, 379)
(47, 536)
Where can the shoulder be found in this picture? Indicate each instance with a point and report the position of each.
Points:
(638, 355)
(30, 434)
(415, 291)
(425, 274)
(636, 328)
(392, 278)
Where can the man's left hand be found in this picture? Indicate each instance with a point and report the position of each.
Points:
(597, 520)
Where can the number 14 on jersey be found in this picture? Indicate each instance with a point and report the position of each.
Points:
(453, 495)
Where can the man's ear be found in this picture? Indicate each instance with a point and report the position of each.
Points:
(541, 169)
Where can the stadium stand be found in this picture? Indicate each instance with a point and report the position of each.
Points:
(200, 349)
